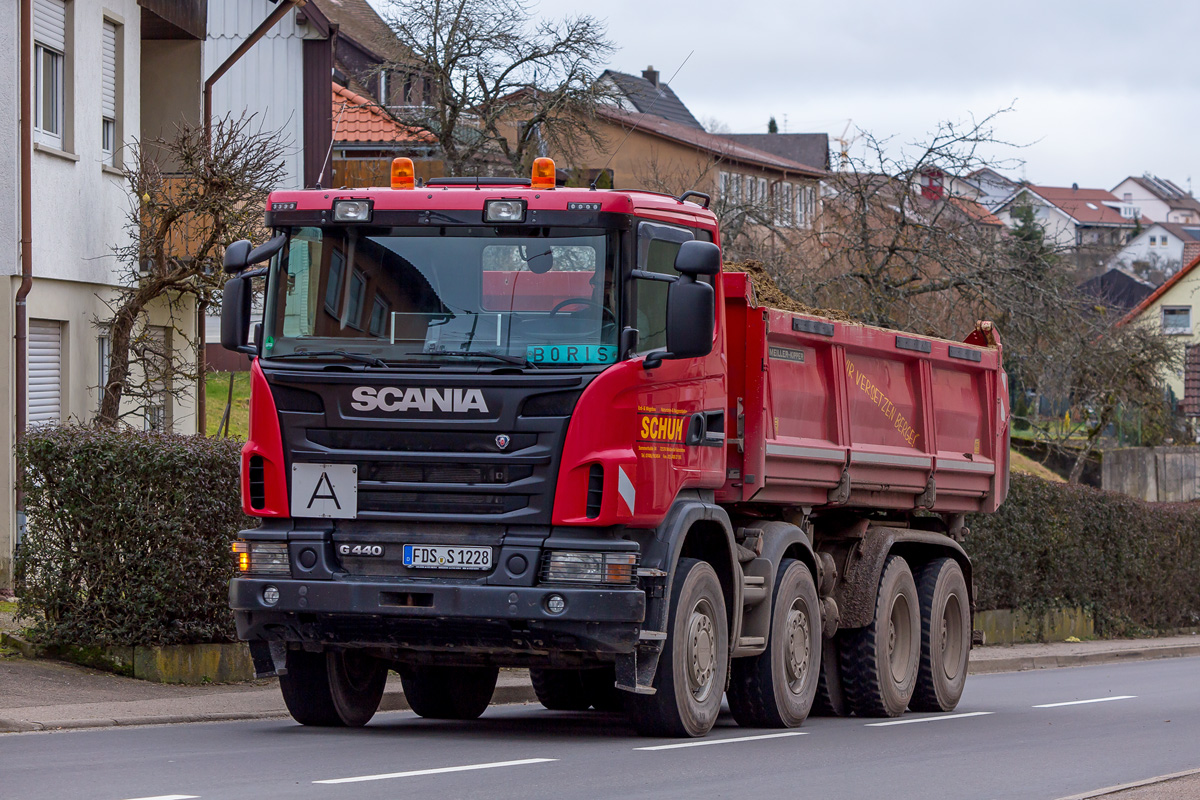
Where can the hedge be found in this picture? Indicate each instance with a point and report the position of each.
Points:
(128, 537)
(1134, 565)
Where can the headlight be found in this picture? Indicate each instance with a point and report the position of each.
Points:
(351, 210)
(262, 558)
(504, 211)
(567, 566)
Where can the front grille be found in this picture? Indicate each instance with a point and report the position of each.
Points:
(258, 483)
(595, 492)
(419, 441)
(438, 503)
(470, 474)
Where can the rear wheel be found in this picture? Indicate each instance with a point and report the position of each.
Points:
(879, 662)
(336, 688)
(945, 636)
(776, 688)
(692, 670)
(830, 700)
(440, 692)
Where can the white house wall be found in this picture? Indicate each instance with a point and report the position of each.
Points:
(1168, 258)
(268, 80)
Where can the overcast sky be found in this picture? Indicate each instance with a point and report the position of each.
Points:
(1102, 89)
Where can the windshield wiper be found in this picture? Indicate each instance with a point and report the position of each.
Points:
(517, 360)
(349, 356)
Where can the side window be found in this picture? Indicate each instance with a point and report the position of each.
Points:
(657, 247)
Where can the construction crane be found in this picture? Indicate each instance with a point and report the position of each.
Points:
(844, 145)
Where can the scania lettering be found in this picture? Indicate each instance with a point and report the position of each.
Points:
(504, 423)
(391, 398)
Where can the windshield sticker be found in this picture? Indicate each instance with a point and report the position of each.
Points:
(571, 354)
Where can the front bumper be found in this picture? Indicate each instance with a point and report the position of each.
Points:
(431, 616)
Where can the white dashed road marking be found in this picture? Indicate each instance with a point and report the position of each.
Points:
(938, 718)
(706, 742)
(168, 797)
(1084, 702)
(437, 771)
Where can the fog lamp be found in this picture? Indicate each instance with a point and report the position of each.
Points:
(270, 595)
(504, 211)
(556, 603)
(352, 211)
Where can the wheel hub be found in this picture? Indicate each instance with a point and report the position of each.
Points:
(798, 649)
(702, 653)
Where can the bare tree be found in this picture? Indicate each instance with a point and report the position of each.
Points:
(190, 195)
(504, 86)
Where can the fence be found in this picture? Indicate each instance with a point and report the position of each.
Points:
(1157, 474)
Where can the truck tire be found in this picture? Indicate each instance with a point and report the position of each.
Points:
(945, 636)
(437, 692)
(776, 688)
(560, 689)
(695, 660)
(336, 688)
(879, 662)
(831, 699)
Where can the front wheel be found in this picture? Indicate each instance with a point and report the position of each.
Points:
(448, 692)
(695, 661)
(336, 688)
(776, 688)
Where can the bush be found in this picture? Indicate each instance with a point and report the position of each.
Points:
(128, 538)
(1134, 565)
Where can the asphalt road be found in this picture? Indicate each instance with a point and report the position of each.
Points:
(1042, 734)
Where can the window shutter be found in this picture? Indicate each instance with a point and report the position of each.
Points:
(45, 371)
(108, 72)
(50, 23)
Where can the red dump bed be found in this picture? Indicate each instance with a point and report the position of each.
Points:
(839, 413)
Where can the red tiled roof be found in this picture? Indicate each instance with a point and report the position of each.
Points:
(976, 211)
(360, 119)
(1160, 291)
(708, 142)
(1085, 205)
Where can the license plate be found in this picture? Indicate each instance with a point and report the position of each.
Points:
(441, 556)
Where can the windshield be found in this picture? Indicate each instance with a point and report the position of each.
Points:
(542, 296)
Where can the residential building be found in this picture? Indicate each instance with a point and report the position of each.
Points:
(1160, 250)
(1117, 291)
(648, 95)
(1173, 307)
(810, 149)
(103, 73)
(990, 188)
(366, 139)
(1091, 224)
(1159, 199)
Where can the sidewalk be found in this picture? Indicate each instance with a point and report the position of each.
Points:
(46, 695)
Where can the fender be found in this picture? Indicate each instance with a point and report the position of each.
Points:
(661, 552)
(860, 566)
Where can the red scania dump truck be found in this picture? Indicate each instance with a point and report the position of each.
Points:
(495, 422)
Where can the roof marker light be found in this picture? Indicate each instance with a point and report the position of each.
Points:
(543, 173)
(403, 174)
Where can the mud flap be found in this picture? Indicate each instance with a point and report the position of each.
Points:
(270, 658)
(635, 671)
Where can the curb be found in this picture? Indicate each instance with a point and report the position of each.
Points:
(1024, 663)
(392, 701)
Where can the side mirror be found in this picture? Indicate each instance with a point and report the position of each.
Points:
(691, 317)
(242, 253)
(698, 258)
(235, 315)
(237, 255)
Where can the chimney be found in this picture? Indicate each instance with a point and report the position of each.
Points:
(651, 74)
